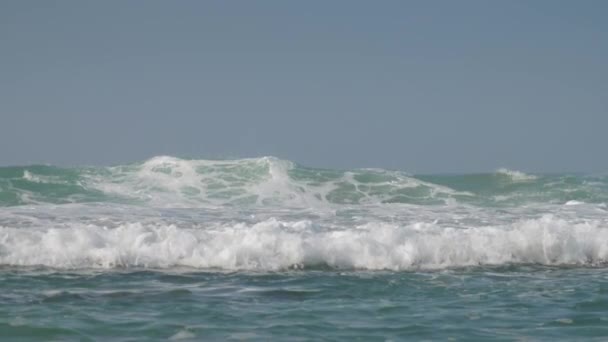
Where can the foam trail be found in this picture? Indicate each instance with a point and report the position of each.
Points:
(275, 245)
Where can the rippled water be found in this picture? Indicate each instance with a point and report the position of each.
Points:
(511, 303)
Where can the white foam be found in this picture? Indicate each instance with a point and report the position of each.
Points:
(30, 177)
(573, 202)
(516, 176)
(182, 335)
(275, 245)
(34, 178)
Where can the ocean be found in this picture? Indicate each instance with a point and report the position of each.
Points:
(265, 249)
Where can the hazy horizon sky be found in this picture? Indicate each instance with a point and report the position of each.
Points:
(421, 86)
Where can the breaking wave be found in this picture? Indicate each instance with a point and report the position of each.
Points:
(516, 176)
(273, 244)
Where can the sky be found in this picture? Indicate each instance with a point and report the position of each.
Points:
(421, 86)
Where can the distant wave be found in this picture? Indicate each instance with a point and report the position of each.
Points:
(166, 181)
(516, 176)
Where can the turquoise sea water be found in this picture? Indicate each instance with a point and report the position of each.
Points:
(264, 249)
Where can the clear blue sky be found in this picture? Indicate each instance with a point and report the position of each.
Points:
(422, 86)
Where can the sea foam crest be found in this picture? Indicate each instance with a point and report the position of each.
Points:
(272, 245)
(175, 182)
(516, 176)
